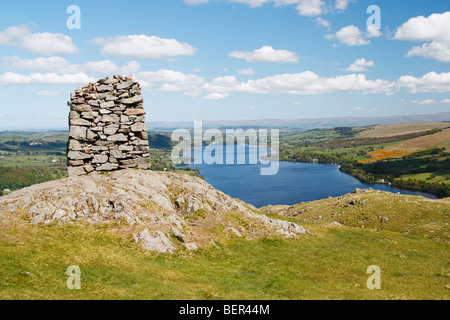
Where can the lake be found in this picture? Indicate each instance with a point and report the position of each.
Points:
(295, 181)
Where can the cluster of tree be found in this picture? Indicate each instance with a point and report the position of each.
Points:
(14, 178)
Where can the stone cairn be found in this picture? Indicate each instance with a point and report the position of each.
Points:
(107, 129)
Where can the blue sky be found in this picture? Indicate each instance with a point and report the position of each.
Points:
(228, 59)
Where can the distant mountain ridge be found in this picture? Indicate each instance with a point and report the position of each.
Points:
(276, 123)
(305, 123)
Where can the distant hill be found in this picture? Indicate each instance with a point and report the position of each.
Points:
(156, 140)
(305, 123)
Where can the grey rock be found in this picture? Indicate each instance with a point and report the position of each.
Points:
(104, 88)
(78, 133)
(117, 137)
(80, 122)
(77, 155)
(110, 118)
(107, 167)
(74, 145)
(191, 246)
(133, 100)
(107, 105)
(100, 158)
(178, 234)
(105, 111)
(124, 85)
(75, 171)
(159, 243)
(117, 154)
(110, 130)
(137, 127)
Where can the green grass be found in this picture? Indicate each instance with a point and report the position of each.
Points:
(331, 264)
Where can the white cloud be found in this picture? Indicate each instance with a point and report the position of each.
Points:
(424, 102)
(171, 81)
(9, 36)
(215, 96)
(304, 7)
(266, 54)
(310, 7)
(49, 93)
(373, 32)
(143, 47)
(47, 44)
(430, 82)
(248, 71)
(305, 83)
(360, 65)
(352, 36)
(433, 30)
(445, 101)
(61, 65)
(342, 4)
(359, 109)
(43, 43)
(323, 22)
(44, 78)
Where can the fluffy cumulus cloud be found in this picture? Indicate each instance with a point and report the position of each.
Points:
(47, 44)
(42, 43)
(430, 82)
(61, 65)
(433, 30)
(266, 54)
(171, 81)
(305, 83)
(11, 78)
(10, 36)
(360, 65)
(352, 36)
(143, 47)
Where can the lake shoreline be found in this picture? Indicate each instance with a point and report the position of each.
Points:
(294, 183)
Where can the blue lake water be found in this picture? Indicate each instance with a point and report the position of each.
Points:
(295, 181)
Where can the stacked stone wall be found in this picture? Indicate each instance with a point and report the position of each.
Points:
(107, 129)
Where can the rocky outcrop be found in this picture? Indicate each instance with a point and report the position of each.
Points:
(107, 129)
(163, 211)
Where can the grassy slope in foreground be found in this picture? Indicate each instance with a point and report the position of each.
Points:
(329, 264)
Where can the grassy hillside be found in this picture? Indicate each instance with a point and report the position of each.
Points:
(395, 129)
(437, 140)
(330, 263)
